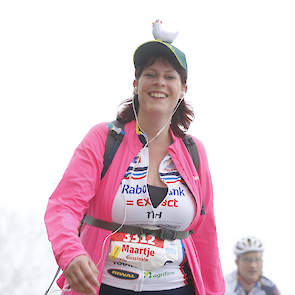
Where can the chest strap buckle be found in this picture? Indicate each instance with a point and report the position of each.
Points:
(167, 234)
(161, 233)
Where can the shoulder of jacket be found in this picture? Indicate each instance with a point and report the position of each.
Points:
(95, 136)
(231, 277)
(100, 127)
(266, 282)
(196, 140)
(200, 147)
(231, 283)
(99, 130)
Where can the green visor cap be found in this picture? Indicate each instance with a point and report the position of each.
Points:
(158, 47)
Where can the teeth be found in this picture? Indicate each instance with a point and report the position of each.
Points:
(158, 95)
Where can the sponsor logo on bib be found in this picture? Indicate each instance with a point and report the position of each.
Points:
(122, 264)
(129, 189)
(123, 274)
(146, 201)
(151, 275)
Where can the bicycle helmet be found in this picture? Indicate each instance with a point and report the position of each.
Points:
(248, 244)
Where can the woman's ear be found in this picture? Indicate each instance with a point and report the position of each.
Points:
(183, 92)
(135, 87)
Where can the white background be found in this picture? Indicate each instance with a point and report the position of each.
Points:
(66, 65)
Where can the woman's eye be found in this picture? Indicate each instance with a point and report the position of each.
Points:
(149, 75)
(170, 77)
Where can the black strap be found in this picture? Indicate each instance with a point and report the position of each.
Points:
(161, 233)
(115, 136)
(193, 151)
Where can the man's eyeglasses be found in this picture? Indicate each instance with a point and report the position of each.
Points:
(249, 260)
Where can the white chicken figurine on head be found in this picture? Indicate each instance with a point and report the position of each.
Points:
(163, 35)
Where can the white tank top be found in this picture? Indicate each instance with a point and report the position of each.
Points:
(144, 263)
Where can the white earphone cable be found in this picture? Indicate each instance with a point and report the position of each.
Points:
(162, 128)
(67, 288)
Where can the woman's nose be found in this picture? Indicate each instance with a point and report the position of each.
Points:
(160, 80)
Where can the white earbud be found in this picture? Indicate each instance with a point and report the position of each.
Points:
(182, 95)
(135, 90)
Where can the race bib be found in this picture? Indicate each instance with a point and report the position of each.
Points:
(143, 251)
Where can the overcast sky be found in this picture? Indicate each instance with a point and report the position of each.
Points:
(66, 65)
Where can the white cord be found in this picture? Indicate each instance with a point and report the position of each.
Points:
(161, 129)
(112, 233)
(66, 288)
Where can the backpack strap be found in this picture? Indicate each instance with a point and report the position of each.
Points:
(115, 136)
(193, 151)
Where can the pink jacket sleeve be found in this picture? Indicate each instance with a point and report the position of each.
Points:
(69, 201)
(205, 236)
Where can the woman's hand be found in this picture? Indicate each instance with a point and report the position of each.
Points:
(81, 275)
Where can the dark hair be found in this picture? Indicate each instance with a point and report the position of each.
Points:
(184, 114)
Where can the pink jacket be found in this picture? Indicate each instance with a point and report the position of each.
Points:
(81, 190)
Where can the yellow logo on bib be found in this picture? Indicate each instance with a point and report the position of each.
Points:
(114, 254)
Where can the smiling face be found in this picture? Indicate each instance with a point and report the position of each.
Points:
(250, 266)
(159, 88)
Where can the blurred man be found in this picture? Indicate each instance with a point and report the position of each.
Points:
(248, 278)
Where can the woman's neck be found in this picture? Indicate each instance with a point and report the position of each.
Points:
(152, 126)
